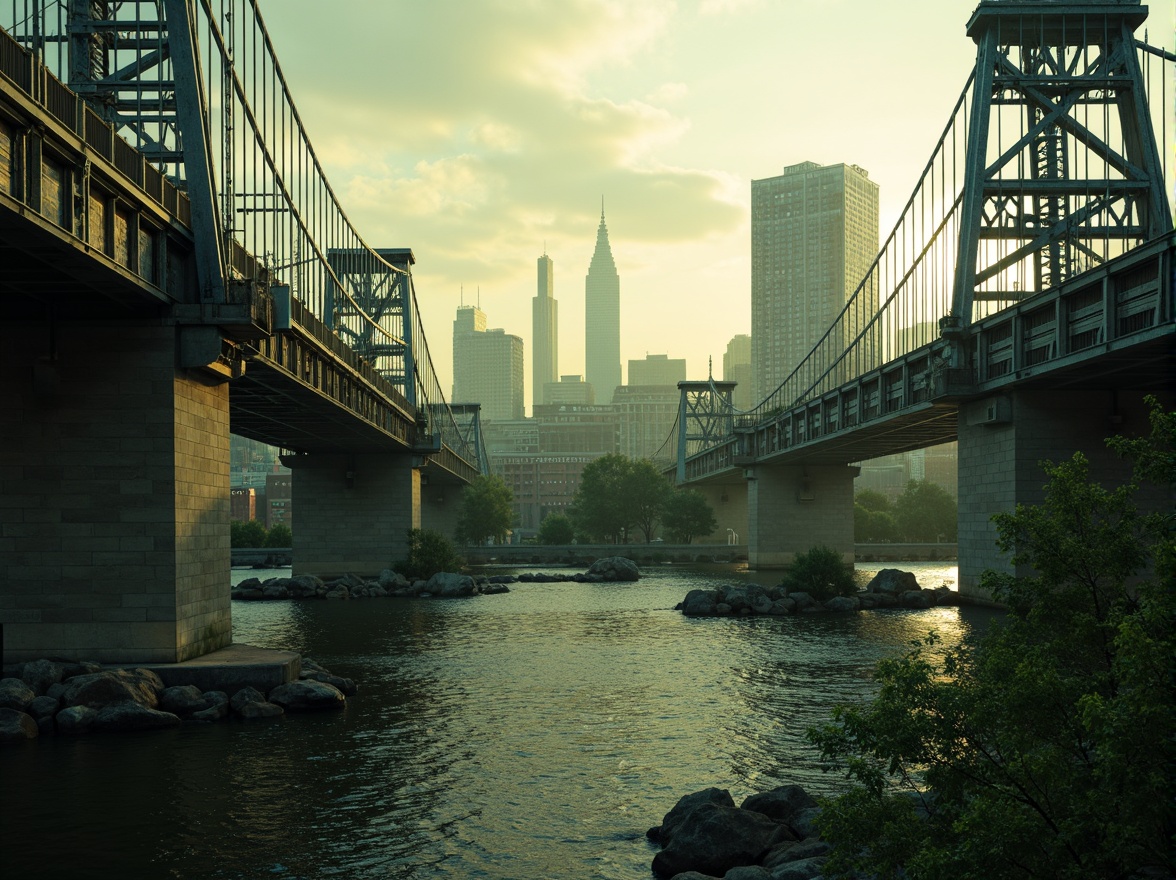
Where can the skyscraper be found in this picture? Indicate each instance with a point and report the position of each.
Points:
(544, 333)
(814, 234)
(737, 368)
(487, 366)
(602, 319)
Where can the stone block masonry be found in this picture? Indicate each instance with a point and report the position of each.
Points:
(792, 509)
(114, 496)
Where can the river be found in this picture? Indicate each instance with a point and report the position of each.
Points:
(529, 735)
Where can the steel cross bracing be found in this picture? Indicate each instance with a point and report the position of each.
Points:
(1055, 160)
(177, 77)
(705, 418)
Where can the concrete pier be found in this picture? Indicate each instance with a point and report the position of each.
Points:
(793, 508)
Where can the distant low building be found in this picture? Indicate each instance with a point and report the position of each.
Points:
(569, 389)
(646, 415)
(243, 504)
(279, 501)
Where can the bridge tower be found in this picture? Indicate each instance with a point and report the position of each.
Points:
(1077, 183)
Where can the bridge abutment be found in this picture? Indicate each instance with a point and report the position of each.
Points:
(793, 508)
(1002, 442)
(353, 512)
(114, 496)
(440, 506)
(729, 503)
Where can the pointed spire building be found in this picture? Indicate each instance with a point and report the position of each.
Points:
(602, 319)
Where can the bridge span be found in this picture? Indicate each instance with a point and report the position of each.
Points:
(1023, 305)
(156, 294)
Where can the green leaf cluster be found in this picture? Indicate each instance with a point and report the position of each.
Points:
(429, 552)
(822, 573)
(925, 512)
(487, 511)
(556, 528)
(247, 533)
(1045, 748)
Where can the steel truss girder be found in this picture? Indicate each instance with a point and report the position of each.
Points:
(1047, 213)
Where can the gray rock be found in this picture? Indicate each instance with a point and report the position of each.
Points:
(615, 568)
(783, 606)
(307, 695)
(804, 602)
(15, 694)
(722, 609)
(244, 696)
(254, 710)
(804, 822)
(700, 603)
(780, 804)
(714, 839)
(113, 686)
(946, 596)
(893, 581)
(75, 719)
(843, 604)
(809, 848)
(448, 585)
(392, 580)
(917, 599)
(216, 707)
(748, 872)
(182, 700)
(133, 716)
(275, 591)
(16, 727)
(43, 707)
(688, 804)
(72, 668)
(56, 690)
(804, 869)
(338, 592)
(250, 584)
(345, 685)
(46, 726)
(40, 675)
(305, 586)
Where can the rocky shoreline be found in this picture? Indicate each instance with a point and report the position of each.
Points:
(890, 588)
(770, 836)
(441, 585)
(47, 697)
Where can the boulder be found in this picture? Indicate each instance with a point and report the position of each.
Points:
(275, 591)
(182, 700)
(809, 848)
(305, 586)
(615, 568)
(253, 710)
(917, 599)
(43, 707)
(713, 839)
(16, 727)
(113, 686)
(946, 596)
(747, 872)
(345, 685)
(250, 584)
(700, 603)
(843, 604)
(688, 804)
(338, 592)
(780, 804)
(15, 694)
(307, 695)
(783, 606)
(130, 715)
(75, 719)
(449, 585)
(216, 707)
(40, 675)
(893, 581)
(72, 668)
(802, 869)
(245, 696)
(804, 822)
(392, 580)
(805, 603)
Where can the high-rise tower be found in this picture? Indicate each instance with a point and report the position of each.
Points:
(814, 234)
(487, 366)
(544, 333)
(602, 319)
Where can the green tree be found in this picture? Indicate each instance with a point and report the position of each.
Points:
(280, 536)
(873, 526)
(600, 508)
(487, 510)
(687, 514)
(871, 500)
(1045, 748)
(926, 512)
(428, 553)
(646, 493)
(556, 528)
(246, 533)
(822, 573)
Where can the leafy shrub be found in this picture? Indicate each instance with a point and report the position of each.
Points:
(279, 536)
(822, 573)
(247, 533)
(556, 528)
(428, 553)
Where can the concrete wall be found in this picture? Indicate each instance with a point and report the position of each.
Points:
(354, 512)
(440, 506)
(729, 502)
(1002, 442)
(114, 497)
(794, 508)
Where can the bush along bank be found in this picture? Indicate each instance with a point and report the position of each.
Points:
(441, 585)
(770, 836)
(46, 697)
(890, 588)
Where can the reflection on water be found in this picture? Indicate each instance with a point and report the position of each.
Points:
(529, 735)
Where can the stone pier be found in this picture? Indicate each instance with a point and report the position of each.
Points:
(793, 508)
(114, 496)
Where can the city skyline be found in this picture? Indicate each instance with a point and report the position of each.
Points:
(506, 126)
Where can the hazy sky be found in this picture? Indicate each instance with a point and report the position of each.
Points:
(477, 131)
